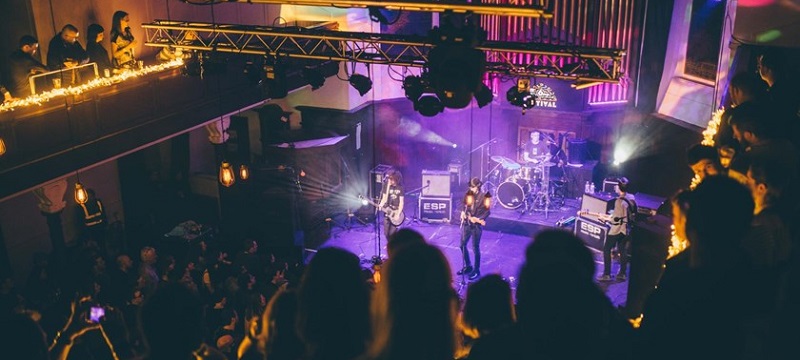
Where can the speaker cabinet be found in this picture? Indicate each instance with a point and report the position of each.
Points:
(435, 183)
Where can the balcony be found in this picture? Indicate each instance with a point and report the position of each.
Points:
(72, 131)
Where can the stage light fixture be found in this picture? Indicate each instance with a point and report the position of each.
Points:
(275, 78)
(413, 87)
(361, 83)
(520, 95)
(428, 105)
(314, 78)
(484, 95)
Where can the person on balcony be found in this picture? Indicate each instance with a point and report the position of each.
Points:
(122, 41)
(94, 47)
(65, 51)
(23, 64)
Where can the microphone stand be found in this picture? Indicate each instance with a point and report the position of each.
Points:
(485, 149)
(416, 192)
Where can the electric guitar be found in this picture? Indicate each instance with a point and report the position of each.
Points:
(472, 219)
(395, 216)
(603, 217)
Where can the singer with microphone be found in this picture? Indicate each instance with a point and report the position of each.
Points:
(473, 219)
(392, 202)
(122, 41)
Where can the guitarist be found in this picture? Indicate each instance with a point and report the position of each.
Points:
(391, 201)
(619, 233)
(473, 219)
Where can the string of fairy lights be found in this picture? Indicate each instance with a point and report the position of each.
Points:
(99, 82)
(678, 245)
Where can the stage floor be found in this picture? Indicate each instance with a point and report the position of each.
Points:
(507, 234)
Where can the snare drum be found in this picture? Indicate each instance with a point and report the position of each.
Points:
(530, 173)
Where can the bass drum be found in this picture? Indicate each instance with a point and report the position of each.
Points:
(510, 195)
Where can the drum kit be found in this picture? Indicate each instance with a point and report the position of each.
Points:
(527, 187)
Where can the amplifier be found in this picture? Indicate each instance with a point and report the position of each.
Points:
(435, 183)
(599, 203)
(435, 209)
(593, 233)
(376, 184)
(458, 174)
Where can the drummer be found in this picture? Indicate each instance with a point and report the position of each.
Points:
(536, 151)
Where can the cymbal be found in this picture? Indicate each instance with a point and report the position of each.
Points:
(548, 164)
(500, 159)
(505, 162)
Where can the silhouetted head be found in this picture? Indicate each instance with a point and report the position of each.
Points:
(21, 335)
(172, 322)
(414, 308)
(719, 213)
(278, 338)
(403, 237)
(488, 306)
(333, 319)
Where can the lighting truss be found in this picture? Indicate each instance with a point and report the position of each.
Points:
(580, 64)
(458, 7)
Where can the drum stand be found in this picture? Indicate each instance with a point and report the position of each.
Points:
(540, 197)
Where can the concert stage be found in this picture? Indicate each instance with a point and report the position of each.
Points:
(503, 244)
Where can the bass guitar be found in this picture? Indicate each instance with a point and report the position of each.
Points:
(395, 216)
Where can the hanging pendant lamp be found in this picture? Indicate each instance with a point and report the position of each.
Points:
(226, 174)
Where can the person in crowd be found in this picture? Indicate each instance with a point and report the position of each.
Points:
(392, 203)
(333, 303)
(172, 325)
(147, 270)
(751, 131)
(23, 64)
(95, 34)
(477, 205)
(704, 161)
(769, 241)
(575, 321)
(414, 309)
(401, 238)
(122, 41)
(21, 333)
(276, 339)
(744, 89)
(226, 337)
(95, 223)
(488, 307)
(65, 51)
(621, 220)
(773, 68)
(705, 303)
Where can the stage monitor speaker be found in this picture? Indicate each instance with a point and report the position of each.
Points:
(436, 183)
(577, 151)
